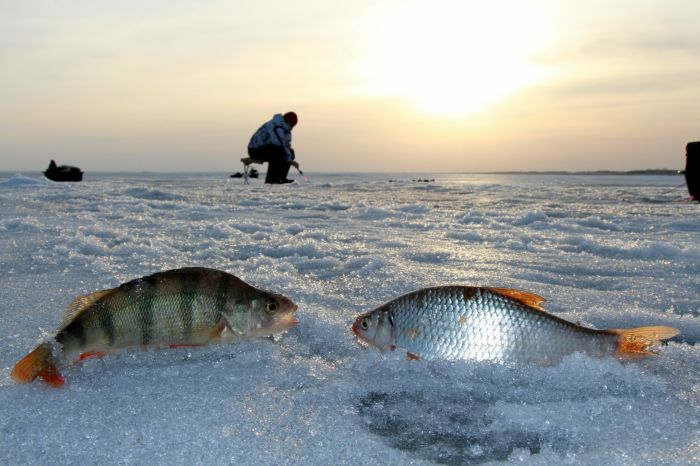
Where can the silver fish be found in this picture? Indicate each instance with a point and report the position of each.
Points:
(491, 324)
(182, 307)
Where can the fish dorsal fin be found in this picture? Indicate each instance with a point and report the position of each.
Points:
(529, 299)
(79, 304)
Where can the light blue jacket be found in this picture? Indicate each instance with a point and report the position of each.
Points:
(275, 132)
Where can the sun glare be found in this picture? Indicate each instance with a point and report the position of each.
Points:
(454, 57)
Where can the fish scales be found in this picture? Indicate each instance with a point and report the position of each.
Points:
(486, 326)
(190, 306)
(151, 311)
(483, 324)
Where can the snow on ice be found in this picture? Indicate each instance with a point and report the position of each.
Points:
(607, 251)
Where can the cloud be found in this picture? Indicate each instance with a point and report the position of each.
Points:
(630, 83)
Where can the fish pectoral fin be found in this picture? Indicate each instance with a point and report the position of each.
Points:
(235, 332)
(529, 299)
(412, 357)
(222, 333)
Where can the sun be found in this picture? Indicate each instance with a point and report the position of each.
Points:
(454, 57)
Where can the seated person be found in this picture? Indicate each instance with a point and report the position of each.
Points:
(272, 143)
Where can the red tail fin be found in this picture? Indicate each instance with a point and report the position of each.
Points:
(637, 341)
(38, 363)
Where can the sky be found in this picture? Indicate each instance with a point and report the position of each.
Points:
(379, 86)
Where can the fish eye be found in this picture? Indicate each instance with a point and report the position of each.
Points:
(365, 323)
(272, 307)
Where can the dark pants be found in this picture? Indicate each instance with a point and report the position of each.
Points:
(278, 167)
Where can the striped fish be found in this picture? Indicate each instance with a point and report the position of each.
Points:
(491, 324)
(182, 307)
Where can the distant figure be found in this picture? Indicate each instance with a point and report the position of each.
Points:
(272, 142)
(252, 174)
(63, 172)
(692, 169)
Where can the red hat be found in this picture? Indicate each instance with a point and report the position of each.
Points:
(291, 118)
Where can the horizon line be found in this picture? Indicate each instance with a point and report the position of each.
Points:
(648, 171)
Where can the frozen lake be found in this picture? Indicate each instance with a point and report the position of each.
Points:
(608, 251)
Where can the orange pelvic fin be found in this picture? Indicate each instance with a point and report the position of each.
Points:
(92, 354)
(637, 341)
(38, 363)
(412, 357)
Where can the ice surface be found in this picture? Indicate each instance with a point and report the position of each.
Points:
(607, 251)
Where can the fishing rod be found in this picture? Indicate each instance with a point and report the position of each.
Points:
(673, 189)
(301, 172)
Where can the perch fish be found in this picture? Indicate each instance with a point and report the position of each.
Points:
(182, 307)
(492, 324)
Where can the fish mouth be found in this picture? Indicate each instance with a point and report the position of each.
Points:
(286, 321)
(288, 318)
(355, 326)
(279, 325)
(361, 339)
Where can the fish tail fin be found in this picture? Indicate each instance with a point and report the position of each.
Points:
(38, 363)
(638, 341)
